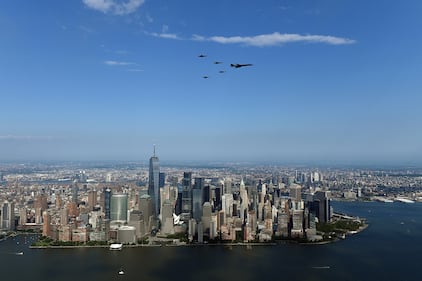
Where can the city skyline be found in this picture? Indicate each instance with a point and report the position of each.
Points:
(99, 80)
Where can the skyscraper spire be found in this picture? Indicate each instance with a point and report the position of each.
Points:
(154, 150)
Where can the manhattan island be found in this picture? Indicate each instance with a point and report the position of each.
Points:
(148, 207)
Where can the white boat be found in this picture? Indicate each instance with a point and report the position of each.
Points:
(116, 247)
(404, 200)
(121, 272)
(19, 253)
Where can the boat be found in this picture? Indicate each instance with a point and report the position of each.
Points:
(404, 200)
(19, 253)
(321, 267)
(121, 272)
(116, 247)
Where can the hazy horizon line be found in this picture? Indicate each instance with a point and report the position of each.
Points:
(228, 163)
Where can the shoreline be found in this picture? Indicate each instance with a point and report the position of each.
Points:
(229, 244)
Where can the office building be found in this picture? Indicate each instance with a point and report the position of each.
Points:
(167, 218)
(321, 206)
(118, 208)
(7, 216)
(92, 199)
(75, 190)
(126, 234)
(187, 196)
(197, 199)
(146, 208)
(206, 216)
(295, 192)
(153, 183)
(161, 179)
(107, 201)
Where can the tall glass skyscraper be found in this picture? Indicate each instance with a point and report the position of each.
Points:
(118, 210)
(153, 183)
(197, 198)
(187, 196)
(107, 202)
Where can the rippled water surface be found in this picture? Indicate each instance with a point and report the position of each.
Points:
(389, 249)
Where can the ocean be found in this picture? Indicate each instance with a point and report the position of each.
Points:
(389, 249)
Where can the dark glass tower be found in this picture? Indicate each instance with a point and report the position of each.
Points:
(162, 180)
(197, 198)
(107, 202)
(153, 183)
(187, 196)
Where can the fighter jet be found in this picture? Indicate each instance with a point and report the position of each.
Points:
(237, 65)
(202, 56)
(222, 71)
(205, 77)
(218, 62)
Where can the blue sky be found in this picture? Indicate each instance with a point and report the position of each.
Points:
(331, 81)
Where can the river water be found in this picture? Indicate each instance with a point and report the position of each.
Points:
(389, 249)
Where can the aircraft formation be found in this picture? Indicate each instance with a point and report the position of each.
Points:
(233, 65)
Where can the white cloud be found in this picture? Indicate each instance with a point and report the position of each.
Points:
(118, 63)
(275, 39)
(263, 40)
(117, 7)
(166, 35)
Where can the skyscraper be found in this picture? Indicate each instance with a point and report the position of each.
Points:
(153, 183)
(146, 208)
(295, 192)
(119, 207)
(46, 228)
(187, 196)
(107, 202)
(161, 180)
(197, 198)
(7, 216)
(75, 190)
(92, 199)
(322, 206)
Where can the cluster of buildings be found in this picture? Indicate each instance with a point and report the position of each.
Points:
(203, 207)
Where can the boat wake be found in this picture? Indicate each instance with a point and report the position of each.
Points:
(321, 267)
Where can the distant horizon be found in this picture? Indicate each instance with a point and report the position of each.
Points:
(232, 163)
